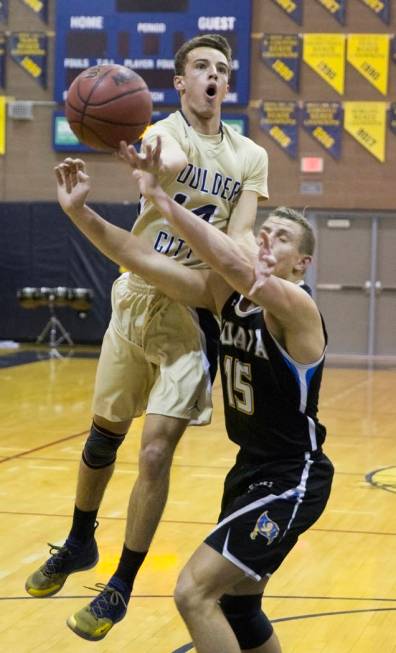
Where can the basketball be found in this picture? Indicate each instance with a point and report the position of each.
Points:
(108, 104)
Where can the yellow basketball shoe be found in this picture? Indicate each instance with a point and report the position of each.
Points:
(65, 560)
(95, 620)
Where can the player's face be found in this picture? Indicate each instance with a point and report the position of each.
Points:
(285, 236)
(205, 81)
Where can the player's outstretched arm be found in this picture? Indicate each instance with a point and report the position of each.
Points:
(190, 287)
(222, 253)
(242, 221)
(209, 244)
(291, 307)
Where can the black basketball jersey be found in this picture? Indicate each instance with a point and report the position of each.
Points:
(270, 400)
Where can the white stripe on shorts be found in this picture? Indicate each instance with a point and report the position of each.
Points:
(252, 506)
(297, 492)
(300, 489)
(226, 554)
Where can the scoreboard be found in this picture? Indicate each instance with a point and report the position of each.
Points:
(144, 35)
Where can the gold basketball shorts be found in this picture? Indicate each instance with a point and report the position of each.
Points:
(153, 358)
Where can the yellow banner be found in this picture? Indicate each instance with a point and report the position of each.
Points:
(366, 122)
(2, 124)
(325, 53)
(369, 54)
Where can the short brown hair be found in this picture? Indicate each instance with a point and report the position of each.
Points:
(215, 41)
(307, 242)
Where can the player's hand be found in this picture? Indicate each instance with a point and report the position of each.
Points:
(73, 184)
(265, 263)
(148, 160)
(145, 167)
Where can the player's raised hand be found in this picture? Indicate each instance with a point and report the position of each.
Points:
(265, 263)
(148, 160)
(145, 167)
(73, 184)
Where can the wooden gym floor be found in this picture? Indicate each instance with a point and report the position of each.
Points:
(335, 593)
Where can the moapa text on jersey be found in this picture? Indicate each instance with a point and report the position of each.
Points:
(248, 340)
(213, 184)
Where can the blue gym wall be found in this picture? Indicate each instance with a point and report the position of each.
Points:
(39, 246)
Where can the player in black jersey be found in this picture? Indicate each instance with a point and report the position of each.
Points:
(271, 353)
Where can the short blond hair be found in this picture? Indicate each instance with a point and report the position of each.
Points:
(307, 241)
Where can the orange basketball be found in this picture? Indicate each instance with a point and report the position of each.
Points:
(108, 104)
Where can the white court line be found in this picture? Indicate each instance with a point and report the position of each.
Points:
(33, 557)
(116, 513)
(207, 475)
(344, 393)
(50, 467)
(344, 445)
(125, 471)
(352, 512)
(69, 497)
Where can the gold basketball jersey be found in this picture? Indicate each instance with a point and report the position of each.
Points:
(219, 168)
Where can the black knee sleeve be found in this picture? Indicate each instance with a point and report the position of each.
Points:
(101, 447)
(244, 614)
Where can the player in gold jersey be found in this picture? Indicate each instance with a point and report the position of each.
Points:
(272, 349)
(154, 356)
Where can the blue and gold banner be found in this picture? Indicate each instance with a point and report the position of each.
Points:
(392, 117)
(380, 7)
(40, 7)
(3, 10)
(325, 54)
(366, 122)
(336, 8)
(2, 60)
(282, 53)
(30, 51)
(293, 8)
(280, 121)
(369, 54)
(323, 121)
(2, 124)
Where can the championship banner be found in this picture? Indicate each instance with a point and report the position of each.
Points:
(29, 51)
(280, 121)
(3, 10)
(323, 121)
(336, 8)
(366, 122)
(40, 7)
(392, 117)
(2, 60)
(293, 8)
(282, 53)
(380, 7)
(2, 124)
(369, 54)
(325, 54)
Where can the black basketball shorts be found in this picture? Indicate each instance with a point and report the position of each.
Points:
(266, 507)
